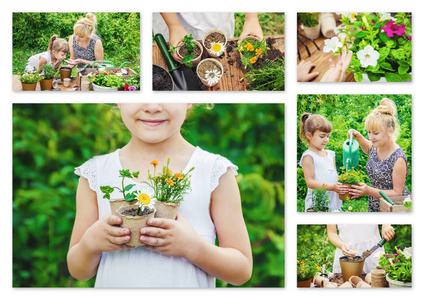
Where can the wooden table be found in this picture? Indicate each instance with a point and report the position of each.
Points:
(232, 75)
(318, 57)
(17, 86)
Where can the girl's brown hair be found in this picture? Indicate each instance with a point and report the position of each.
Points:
(311, 123)
(57, 44)
(384, 118)
(86, 27)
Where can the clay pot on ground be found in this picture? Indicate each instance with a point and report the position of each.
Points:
(162, 80)
(29, 86)
(351, 267)
(346, 284)
(115, 204)
(214, 36)
(166, 210)
(204, 71)
(46, 84)
(134, 222)
(304, 283)
(378, 278)
(346, 196)
(312, 32)
(328, 23)
(197, 52)
(65, 72)
(320, 281)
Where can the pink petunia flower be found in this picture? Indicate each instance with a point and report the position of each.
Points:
(391, 29)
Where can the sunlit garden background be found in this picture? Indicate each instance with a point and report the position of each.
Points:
(49, 140)
(345, 112)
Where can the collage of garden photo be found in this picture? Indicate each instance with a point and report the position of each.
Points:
(156, 185)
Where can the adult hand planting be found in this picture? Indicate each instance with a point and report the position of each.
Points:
(251, 27)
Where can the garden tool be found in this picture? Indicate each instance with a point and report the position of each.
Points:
(103, 64)
(350, 153)
(183, 76)
(367, 253)
(79, 70)
(383, 194)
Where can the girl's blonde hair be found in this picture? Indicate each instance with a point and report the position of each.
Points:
(311, 123)
(384, 118)
(86, 27)
(57, 44)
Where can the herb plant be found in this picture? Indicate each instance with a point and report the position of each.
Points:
(189, 45)
(308, 19)
(124, 189)
(107, 79)
(269, 77)
(48, 71)
(320, 199)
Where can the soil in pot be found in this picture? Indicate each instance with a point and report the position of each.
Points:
(65, 72)
(162, 80)
(134, 222)
(214, 37)
(133, 212)
(183, 52)
(208, 65)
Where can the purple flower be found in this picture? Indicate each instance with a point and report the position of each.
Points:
(131, 88)
(391, 29)
(409, 37)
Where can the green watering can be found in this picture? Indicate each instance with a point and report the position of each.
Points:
(107, 64)
(350, 153)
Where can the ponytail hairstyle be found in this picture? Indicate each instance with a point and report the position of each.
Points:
(57, 44)
(86, 27)
(311, 123)
(384, 118)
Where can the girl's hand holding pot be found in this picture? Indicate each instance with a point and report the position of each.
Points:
(340, 188)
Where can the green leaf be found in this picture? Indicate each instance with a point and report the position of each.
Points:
(387, 66)
(358, 77)
(384, 52)
(393, 77)
(129, 187)
(373, 77)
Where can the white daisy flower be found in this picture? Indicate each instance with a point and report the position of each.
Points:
(145, 198)
(217, 48)
(368, 56)
(212, 76)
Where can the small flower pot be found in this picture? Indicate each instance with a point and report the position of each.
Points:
(357, 282)
(166, 210)
(397, 284)
(304, 283)
(134, 222)
(29, 86)
(209, 64)
(115, 204)
(378, 278)
(46, 84)
(214, 36)
(250, 38)
(198, 51)
(312, 32)
(328, 23)
(351, 267)
(65, 72)
(346, 196)
(99, 88)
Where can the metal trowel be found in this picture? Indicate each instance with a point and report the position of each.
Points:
(367, 253)
(184, 79)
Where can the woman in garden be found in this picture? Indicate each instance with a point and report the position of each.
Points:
(319, 164)
(181, 252)
(85, 46)
(177, 25)
(387, 165)
(353, 239)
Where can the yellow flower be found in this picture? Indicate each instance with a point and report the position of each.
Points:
(155, 163)
(349, 208)
(258, 51)
(319, 268)
(144, 199)
(171, 183)
(253, 60)
(179, 176)
(312, 256)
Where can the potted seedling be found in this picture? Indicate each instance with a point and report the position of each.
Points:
(189, 50)
(29, 80)
(214, 42)
(65, 72)
(168, 190)
(398, 267)
(251, 49)
(310, 24)
(209, 71)
(47, 77)
(320, 200)
(349, 178)
(351, 266)
(127, 198)
(106, 81)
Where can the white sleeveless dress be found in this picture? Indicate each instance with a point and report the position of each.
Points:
(326, 173)
(34, 61)
(139, 267)
(359, 237)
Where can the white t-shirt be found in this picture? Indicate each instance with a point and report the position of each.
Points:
(359, 237)
(139, 267)
(198, 24)
(34, 61)
(324, 172)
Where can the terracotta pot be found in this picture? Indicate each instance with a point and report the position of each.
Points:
(65, 72)
(346, 196)
(209, 49)
(312, 32)
(304, 283)
(397, 284)
(351, 268)
(195, 60)
(320, 281)
(134, 223)
(330, 285)
(46, 84)
(378, 278)
(357, 282)
(202, 77)
(347, 284)
(29, 86)
(115, 204)
(166, 210)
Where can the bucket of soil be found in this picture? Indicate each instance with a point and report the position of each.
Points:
(162, 80)
(117, 203)
(197, 52)
(351, 266)
(214, 42)
(209, 71)
(166, 210)
(134, 222)
(65, 72)
(346, 196)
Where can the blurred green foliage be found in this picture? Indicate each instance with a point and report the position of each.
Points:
(313, 240)
(49, 140)
(271, 23)
(119, 32)
(345, 112)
